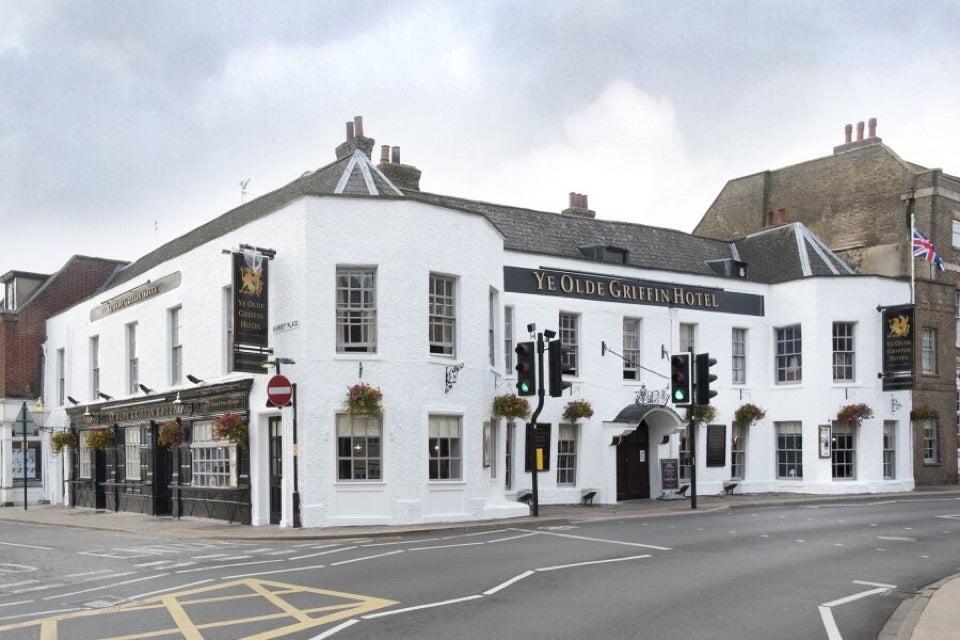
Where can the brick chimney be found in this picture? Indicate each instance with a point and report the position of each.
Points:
(849, 144)
(405, 176)
(355, 140)
(578, 207)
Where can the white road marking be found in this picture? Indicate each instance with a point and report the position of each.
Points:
(179, 586)
(87, 573)
(106, 586)
(332, 630)
(475, 533)
(224, 566)
(379, 555)
(180, 565)
(10, 604)
(266, 573)
(826, 615)
(856, 596)
(446, 546)
(430, 605)
(875, 584)
(322, 553)
(153, 564)
(504, 585)
(582, 564)
(40, 613)
(27, 546)
(575, 537)
(229, 558)
(896, 538)
(17, 584)
(106, 577)
(386, 544)
(209, 557)
(282, 553)
(40, 588)
(829, 624)
(522, 535)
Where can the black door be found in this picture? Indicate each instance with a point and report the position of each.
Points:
(276, 469)
(100, 477)
(162, 475)
(633, 467)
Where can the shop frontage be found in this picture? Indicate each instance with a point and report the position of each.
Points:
(160, 455)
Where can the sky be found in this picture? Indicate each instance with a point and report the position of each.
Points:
(124, 125)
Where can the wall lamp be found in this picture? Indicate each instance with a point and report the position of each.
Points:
(72, 401)
(145, 388)
(194, 379)
(104, 396)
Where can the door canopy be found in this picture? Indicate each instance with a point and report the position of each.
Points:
(657, 417)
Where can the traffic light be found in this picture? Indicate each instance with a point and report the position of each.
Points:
(680, 386)
(557, 368)
(526, 369)
(704, 378)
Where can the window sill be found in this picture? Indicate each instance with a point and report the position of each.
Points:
(446, 484)
(849, 384)
(359, 484)
(932, 464)
(359, 355)
(789, 384)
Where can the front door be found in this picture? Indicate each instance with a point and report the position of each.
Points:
(275, 434)
(633, 465)
(100, 478)
(162, 475)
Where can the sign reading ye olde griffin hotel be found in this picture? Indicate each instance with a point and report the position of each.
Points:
(575, 284)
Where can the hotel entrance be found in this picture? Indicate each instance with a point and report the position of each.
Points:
(640, 436)
(633, 464)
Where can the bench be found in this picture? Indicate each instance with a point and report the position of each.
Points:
(728, 487)
(587, 496)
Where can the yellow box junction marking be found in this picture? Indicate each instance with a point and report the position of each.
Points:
(177, 605)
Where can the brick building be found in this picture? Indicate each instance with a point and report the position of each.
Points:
(859, 201)
(28, 300)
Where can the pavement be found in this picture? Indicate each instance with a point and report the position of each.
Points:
(829, 568)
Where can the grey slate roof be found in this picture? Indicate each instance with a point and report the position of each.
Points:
(774, 255)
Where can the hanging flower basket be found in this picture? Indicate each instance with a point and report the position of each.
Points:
(99, 438)
(577, 409)
(170, 435)
(62, 439)
(923, 412)
(701, 413)
(854, 414)
(232, 428)
(364, 400)
(510, 405)
(748, 414)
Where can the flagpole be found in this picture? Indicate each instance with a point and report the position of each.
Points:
(913, 260)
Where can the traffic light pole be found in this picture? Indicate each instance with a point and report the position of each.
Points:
(692, 436)
(532, 430)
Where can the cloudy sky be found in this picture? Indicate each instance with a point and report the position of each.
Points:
(125, 124)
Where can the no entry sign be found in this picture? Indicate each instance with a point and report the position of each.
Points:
(279, 391)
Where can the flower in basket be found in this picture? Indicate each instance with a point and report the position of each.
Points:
(577, 409)
(510, 405)
(230, 427)
(854, 414)
(923, 412)
(748, 414)
(364, 400)
(701, 413)
(99, 438)
(62, 439)
(170, 435)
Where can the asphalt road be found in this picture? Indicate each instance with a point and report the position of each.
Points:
(778, 573)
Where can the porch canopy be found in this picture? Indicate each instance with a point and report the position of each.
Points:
(657, 416)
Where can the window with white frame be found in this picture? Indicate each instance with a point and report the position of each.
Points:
(61, 375)
(789, 450)
(684, 457)
(491, 435)
(843, 352)
(356, 310)
(444, 448)
(569, 337)
(955, 227)
(492, 328)
(789, 350)
(133, 363)
(928, 351)
(567, 454)
(94, 367)
(214, 461)
(131, 452)
(843, 451)
(443, 315)
(738, 450)
(359, 450)
(688, 337)
(931, 441)
(632, 341)
(739, 355)
(889, 449)
(508, 339)
(176, 348)
(508, 456)
(86, 456)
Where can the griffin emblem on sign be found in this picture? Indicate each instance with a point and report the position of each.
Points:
(899, 327)
(251, 281)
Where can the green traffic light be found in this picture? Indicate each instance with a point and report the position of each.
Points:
(523, 387)
(678, 394)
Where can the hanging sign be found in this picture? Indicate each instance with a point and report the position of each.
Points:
(250, 311)
(136, 295)
(898, 345)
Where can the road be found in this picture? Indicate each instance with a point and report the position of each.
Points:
(778, 573)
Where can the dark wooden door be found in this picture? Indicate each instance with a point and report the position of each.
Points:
(276, 469)
(633, 465)
(100, 477)
(162, 475)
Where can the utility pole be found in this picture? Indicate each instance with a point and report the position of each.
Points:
(22, 419)
(532, 429)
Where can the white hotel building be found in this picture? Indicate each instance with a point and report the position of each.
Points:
(425, 296)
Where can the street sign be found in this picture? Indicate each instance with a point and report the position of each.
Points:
(23, 424)
(279, 391)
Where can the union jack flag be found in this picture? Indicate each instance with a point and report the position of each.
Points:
(923, 248)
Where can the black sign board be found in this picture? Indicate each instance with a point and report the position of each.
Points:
(898, 345)
(589, 286)
(541, 440)
(250, 311)
(716, 445)
(669, 474)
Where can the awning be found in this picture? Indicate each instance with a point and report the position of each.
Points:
(634, 414)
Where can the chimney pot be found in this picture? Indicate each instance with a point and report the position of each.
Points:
(384, 154)
(848, 134)
(350, 131)
(872, 127)
(583, 201)
(573, 199)
(358, 125)
(395, 158)
(860, 130)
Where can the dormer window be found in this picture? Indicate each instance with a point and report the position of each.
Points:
(605, 253)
